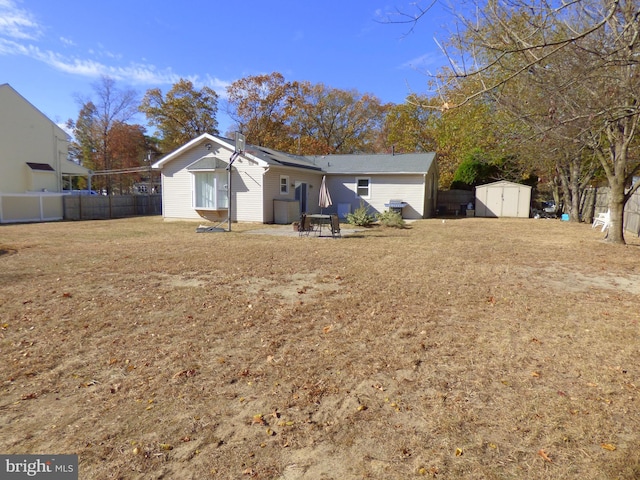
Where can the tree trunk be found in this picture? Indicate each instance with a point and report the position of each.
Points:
(616, 209)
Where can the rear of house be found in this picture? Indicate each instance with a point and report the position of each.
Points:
(268, 186)
(375, 180)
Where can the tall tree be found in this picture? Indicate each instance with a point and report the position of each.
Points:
(333, 121)
(182, 115)
(592, 45)
(261, 106)
(411, 127)
(94, 128)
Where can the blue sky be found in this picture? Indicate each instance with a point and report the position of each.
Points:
(51, 52)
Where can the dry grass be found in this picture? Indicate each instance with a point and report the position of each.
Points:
(473, 349)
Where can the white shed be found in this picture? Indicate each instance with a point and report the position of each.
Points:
(503, 199)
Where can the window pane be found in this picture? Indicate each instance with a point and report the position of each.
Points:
(221, 181)
(363, 187)
(205, 193)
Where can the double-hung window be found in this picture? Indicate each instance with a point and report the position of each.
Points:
(363, 186)
(284, 185)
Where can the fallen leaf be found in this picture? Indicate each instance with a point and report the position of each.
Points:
(608, 446)
(258, 419)
(544, 455)
(166, 446)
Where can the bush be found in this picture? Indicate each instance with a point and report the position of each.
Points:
(390, 218)
(360, 216)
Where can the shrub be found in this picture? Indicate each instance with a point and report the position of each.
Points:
(389, 218)
(360, 216)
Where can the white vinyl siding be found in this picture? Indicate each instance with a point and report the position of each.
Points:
(409, 188)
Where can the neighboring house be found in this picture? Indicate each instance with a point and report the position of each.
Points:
(33, 161)
(503, 199)
(268, 186)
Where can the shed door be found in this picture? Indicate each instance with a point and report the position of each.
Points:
(510, 201)
(494, 202)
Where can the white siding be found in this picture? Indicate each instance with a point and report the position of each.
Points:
(27, 135)
(272, 188)
(177, 186)
(382, 188)
(247, 185)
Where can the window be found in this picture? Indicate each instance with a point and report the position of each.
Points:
(210, 190)
(362, 187)
(284, 185)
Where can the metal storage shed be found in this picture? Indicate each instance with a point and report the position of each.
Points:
(503, 199)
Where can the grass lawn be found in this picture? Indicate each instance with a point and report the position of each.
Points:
(470, 349)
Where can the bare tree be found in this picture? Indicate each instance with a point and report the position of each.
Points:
(94, 128)
(592, 45)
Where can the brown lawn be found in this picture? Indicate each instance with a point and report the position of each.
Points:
(471, 349)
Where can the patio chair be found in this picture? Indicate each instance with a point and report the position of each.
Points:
(603, 219)
(335, 226)
(305, 226)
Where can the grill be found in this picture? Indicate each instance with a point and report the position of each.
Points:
(396, 206)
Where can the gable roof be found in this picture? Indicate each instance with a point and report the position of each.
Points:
(359, 164)
(406, 163)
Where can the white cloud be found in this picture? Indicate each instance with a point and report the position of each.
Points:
(19, 32)
(426, 60)
(68, 42)
(17, 23)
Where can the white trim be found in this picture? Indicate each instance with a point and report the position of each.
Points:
(368, 195)
(285, 184)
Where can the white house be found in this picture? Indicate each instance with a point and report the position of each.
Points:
(268, 186)
(503, 199)
(33, 161)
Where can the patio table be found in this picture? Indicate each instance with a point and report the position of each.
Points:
(319, 219)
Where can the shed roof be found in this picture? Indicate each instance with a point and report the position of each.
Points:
(503, 183)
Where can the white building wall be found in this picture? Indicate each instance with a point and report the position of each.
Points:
(382, 188)
(27, 135)
(247, 184)
(296, 176)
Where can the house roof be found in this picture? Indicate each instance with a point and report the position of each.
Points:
(409, 163)
(68, 167)
(406, 163)
(274, 157)
(40, 167)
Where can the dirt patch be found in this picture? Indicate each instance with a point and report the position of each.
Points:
(474, 348)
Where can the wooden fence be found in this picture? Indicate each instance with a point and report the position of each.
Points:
(102, 207)
(596, 200)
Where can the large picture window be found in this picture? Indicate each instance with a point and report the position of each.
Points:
(210, 190)
(363, 187)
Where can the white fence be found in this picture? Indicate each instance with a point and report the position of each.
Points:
(31, 207)
(49, 207)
